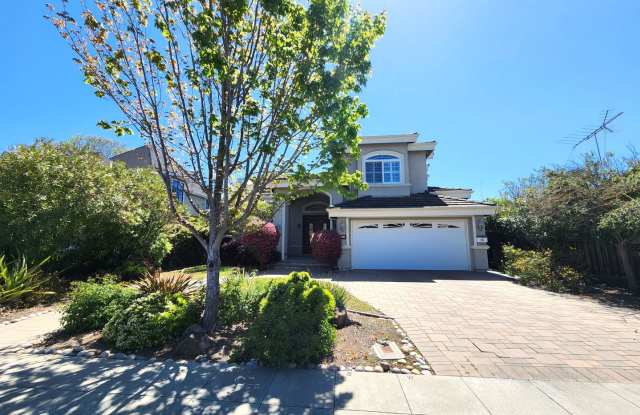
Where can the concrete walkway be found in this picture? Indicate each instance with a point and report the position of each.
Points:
(483, 325)
(30, 329)
(54, 384)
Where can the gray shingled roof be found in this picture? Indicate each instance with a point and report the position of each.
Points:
(415, 200)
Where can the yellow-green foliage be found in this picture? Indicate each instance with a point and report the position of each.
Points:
(536, 268)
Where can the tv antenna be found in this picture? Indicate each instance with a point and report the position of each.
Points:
(587, 134)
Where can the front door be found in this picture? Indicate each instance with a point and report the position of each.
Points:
(310, 225)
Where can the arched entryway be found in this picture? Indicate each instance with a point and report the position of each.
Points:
(307, 215)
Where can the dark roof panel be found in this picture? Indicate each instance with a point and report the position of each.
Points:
(415, 200)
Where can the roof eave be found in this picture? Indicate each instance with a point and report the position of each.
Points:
(407, 212)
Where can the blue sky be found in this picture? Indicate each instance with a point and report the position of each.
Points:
(496, 83)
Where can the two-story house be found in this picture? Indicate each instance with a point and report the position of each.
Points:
(399, 222)
(186, 192)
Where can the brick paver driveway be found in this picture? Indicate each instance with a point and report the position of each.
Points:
(479, 324)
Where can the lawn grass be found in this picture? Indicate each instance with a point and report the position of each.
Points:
(351, 302)
(199, 272)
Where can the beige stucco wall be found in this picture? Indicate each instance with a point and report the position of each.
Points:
(414, 170)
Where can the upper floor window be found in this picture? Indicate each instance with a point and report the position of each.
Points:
(177, 187)
(382, 169)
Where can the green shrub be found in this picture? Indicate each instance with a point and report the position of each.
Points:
(150, 321)
(18, 280)
(93, 303)
(293, 323)
(65, 202)
(240, 297)
(536, 268)
(339, 293)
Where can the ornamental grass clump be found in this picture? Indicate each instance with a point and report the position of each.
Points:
(293, 324)
(18, 280)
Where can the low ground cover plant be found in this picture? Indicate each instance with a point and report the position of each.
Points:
(132, 317)
(536, 268)
(150, 321)
(93, 303)
(293, 323)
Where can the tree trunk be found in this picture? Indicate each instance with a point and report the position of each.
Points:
(210, 315)
(632, 283)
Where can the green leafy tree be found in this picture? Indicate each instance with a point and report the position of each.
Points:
(59, 201)
(232, 95)
(102, 146)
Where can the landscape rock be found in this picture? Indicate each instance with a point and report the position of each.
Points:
(386, 366)
(343, 368)
(396, 370)
(340, 318)
(86, 353)
(425, 372)
(106, 354)
(415, 371)
(378, 369)
(194, 343)
(132, 357)
(201, 358)
(403, 361)
(406, 348)
(368, 368)
(194, 329)
(405, 371)
(424, 367)
(359, 368)
(119, 356)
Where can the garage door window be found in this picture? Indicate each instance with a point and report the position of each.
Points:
(422, 225)
(369, 226)
(393, 225)
(447, 226)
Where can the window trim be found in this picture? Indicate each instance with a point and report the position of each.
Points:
(400, 159)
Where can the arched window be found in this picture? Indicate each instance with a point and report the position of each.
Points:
(382, 169)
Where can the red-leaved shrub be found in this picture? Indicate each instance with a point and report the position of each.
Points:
(326, 247)
(262, 242)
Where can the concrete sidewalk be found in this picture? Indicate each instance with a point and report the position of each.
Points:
(30, 329)
(53, 384)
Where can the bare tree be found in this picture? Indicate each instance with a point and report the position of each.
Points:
(232, 95)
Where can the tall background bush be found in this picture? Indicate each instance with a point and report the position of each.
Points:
(64, 201)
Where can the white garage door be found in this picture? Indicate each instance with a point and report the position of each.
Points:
(414, 244)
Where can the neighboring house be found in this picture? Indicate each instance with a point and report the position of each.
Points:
(185, 192)
(399, 222)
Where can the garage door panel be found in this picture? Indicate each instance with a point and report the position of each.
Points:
(410, 245)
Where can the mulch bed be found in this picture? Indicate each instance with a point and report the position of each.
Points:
(353, 347)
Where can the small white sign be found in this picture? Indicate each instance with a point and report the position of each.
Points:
(482, 240)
